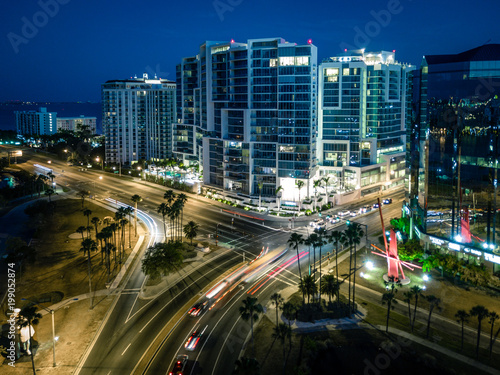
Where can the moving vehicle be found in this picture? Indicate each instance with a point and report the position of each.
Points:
(194, 339)
(344, 213)
(316, 222)
(387, 201)
(198, 308)
(180, 365)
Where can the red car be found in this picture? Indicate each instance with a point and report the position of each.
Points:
(197, 309)
(180, 365)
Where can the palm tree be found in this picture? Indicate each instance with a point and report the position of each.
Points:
(89, 245)
(434, 302)
(313, 240)
(247, 366)
(128, 211)
(408, 296)
(352, 237)
(83, 194)
(81, 229)
(277, 193)
(182, 199)
(136, 199)
(294, 241)
(277, 301)
(28, 317)
(321, 234)
(260, 184)
(330, 286)
(49, 193)
(290, 313)
(191, 230)
(493, 316)
(316, 184)
(281, 332)
(300, 184)
(174, 214)
(389, 298)
(336, 237)
(96, 222)
(480, 312)
(417, 292)
(462, 318)
(250, 311)
(87, 213)
(308, 287)
(326, 180)
(163, 209)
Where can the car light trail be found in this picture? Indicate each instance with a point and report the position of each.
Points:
(276, 272)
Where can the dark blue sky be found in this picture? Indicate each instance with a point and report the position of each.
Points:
(86, 42)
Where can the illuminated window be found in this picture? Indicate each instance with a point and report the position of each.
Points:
(333, 79)
(287, 60)
(302, 60)
(331, 72)
(273, 62)
(345, 71)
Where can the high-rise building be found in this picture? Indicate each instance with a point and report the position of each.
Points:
(364, 110)
(36, 122)
(137, 117)
(455, 143)
(247, 113)
(76, 123)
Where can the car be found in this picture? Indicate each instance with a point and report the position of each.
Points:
(353, 213)
(321, 224)
(198, 308)
(316, 222)
(194, 339)
(179, 365)
(375, 205)
(365, 209)
(344, 213)
(387, 201)
(334, 219)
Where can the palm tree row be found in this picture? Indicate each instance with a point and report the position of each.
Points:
(351, 237)
(174, 210)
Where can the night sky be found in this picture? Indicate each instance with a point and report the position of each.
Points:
(83, 43)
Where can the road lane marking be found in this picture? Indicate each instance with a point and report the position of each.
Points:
(126, 348)
(224, 344)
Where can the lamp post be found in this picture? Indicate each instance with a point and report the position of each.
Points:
(54, 337)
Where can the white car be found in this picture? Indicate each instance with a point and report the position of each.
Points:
(344, 213)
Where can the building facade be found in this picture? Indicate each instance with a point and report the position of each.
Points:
(36, 122)
(137, 117)
(247, 113)
(455, 153)
(364, 110)
(77, 123)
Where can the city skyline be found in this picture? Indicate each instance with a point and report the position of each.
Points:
(77, 46)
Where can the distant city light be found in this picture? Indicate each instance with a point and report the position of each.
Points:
(369, 265)
(424, 287)
(426, 277)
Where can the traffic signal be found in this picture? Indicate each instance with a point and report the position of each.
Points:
(348, 222)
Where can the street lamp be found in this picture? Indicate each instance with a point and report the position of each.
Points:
(54, 337)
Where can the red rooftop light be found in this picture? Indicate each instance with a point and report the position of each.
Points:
(309, 41)
(232, 40)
